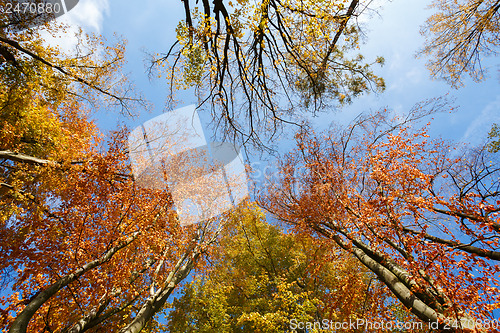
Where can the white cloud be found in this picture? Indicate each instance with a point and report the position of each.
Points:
(88, 14)
(414, 75)
(481, 125)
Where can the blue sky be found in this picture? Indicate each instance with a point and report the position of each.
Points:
(149, 27)
(394, 33)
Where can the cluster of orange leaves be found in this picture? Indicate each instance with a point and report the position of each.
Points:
(388, 188)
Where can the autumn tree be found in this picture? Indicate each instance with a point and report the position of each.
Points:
(47, 95)
(494, 135)
(89, 71)
(102, 255)
(83, 247)
(260, 279)
(421, 214)
(459, 35)
(257, 64)
(46, 98)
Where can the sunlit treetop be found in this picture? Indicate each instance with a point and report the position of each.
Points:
(259, 278)
(460, 34)
(256, 64)
(422, 214)
(494, 136)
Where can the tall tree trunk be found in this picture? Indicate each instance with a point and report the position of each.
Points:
(158, 298)
(21, 322)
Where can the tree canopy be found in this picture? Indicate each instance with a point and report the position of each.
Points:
(459, 35)
(76, 232)
(419, 213)
(260, 279)
(116, 251)
(378, 221)
(494, 136)
(256, 64)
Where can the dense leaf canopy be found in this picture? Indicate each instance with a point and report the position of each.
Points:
(379, 219)
(422, 215)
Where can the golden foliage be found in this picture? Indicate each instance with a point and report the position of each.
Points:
(258, 63)
(459, 34)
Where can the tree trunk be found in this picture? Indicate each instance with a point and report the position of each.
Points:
(156, 301)
(21, 322)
